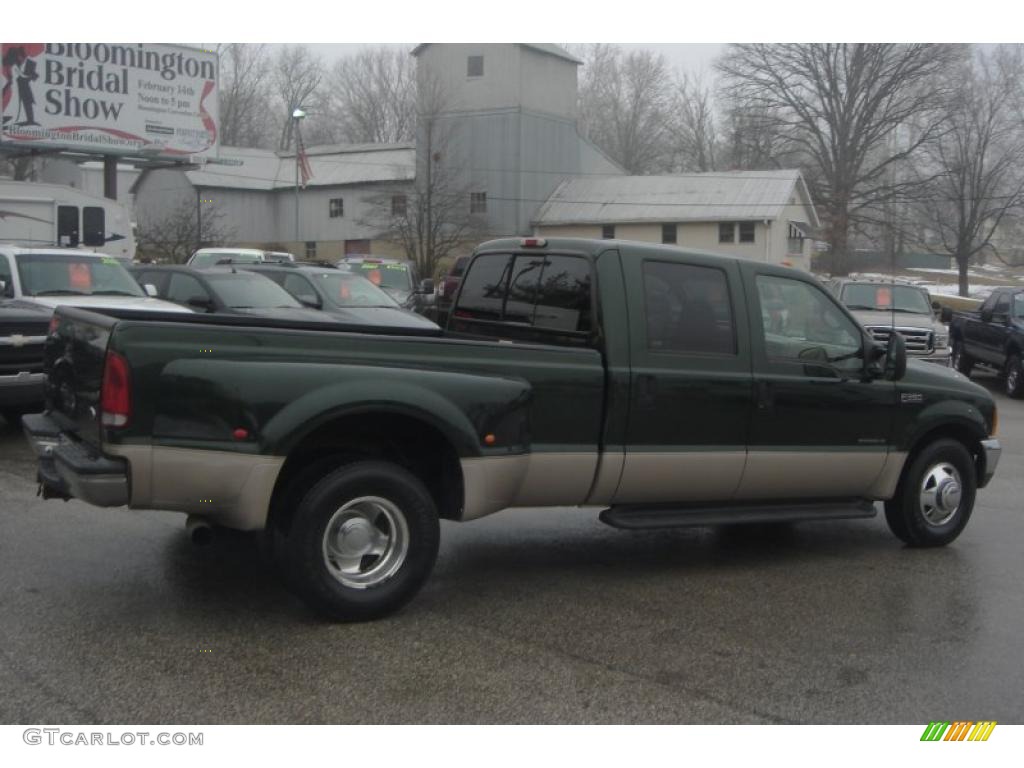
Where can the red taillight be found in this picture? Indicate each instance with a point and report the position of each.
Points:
(116, 393)
(533, 242)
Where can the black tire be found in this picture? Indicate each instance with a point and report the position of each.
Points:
(959, 358)
(403, 511)
(1014, 376)
(910, 519)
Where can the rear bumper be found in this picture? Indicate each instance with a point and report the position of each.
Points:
(991, 451)
(70, 469)
(21, 389)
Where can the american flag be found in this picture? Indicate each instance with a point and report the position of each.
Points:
(305, 171)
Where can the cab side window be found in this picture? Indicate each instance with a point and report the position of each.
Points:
(688, 309)
(1002, 305)
(801, 324)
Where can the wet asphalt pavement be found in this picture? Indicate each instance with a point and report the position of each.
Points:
(111, 616)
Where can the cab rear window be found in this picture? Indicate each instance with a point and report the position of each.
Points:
(529, 291)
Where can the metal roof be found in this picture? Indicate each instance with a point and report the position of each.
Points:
(333, 165)
(549, 48)
(715, 196)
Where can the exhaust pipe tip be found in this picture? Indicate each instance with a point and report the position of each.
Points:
(199, 531)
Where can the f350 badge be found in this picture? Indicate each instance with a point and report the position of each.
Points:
(911, 397)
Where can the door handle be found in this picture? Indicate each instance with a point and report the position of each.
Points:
(765, 396)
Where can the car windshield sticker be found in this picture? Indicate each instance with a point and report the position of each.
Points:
(79, 276)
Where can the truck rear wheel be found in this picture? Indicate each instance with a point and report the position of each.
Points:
(935, 496)
(362, 542)
(1014, 376)
(959, 359)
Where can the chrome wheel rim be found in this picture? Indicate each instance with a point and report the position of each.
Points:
(956, 357)
(366, 541)
(940, 494)
(1012, 378)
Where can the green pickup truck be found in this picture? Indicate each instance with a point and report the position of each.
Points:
(670, 387)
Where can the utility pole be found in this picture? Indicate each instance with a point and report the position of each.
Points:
(110, 177)
(199, 218)
(428, 246)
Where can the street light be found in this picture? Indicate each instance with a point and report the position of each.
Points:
(297, 114)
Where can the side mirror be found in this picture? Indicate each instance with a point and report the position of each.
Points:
(946, 315)
(150, 290)
(3, 290)
(986, 315)
(201, 303)
(896, 357)
(309, 302)
(816, 363)
(426, 286)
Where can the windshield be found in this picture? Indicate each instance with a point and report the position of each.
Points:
(244, 290)
(69, 274)
(394, 276)
(886, 298)
(211, 259)
(344, 289)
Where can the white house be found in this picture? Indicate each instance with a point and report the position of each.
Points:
(762, 215)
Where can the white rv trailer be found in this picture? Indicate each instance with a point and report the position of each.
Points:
(45, 215)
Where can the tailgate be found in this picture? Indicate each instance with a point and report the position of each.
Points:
(73, 361)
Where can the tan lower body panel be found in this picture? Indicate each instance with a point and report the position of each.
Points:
(230, 489)
(550, 479)
(810, 474)
(493, 483)
(653, 477)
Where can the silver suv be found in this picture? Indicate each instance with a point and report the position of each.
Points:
(881, 305)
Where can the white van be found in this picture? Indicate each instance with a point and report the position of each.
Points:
(51, 215)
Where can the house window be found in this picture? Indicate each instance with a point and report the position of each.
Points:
(478, 202)
(726, 232)
(668, 233)
(795, 241)
(336, 207)
(398, 205)
(746, 231)
(310, 249)
(608, 231)
(475, 66)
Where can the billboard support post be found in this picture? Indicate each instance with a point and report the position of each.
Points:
(110, 177)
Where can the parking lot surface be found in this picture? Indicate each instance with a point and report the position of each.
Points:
(531, 616)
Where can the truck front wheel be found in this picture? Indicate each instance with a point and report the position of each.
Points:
(362, 542)
(935, 496)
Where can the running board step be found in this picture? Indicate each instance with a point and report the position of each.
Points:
(637, 518)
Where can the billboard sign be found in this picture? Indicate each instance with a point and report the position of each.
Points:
(130, 98)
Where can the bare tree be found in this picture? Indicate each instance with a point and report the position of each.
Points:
(693, 134)
(978, 160)
(373, 97)
(244, 95)
(173, 236)
(624, 106)
(838, 105)
(433, 217)
(297, 76)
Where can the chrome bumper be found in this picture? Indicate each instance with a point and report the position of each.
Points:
(68, 469)
(991, 451)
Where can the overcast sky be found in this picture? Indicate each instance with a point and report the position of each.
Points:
(689, 56)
